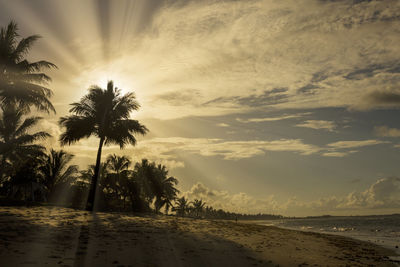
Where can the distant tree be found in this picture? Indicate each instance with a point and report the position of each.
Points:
(181, 206)
(56, 170)
(198, 206)
(105, 114)
(22, 82)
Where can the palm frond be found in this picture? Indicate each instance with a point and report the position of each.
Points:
(26, 125)
(23, 46)
(77, 127)
(30, 138)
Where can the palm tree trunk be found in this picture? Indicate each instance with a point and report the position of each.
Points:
(93, 185)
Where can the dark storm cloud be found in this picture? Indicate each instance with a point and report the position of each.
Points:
(385, 98)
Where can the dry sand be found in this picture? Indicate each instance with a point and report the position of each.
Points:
(53, 236)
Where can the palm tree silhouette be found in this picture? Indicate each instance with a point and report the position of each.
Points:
(16, 143)
(168, 192)
(105, 114)
(146, 179)
(21, 81)
(198, 206)
(118, 173)
(56, 171)
(181, 207)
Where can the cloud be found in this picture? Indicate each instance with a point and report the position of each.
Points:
(229, 57)
(283, 117)
(338, 154)
(238, 202)
(167, 150)
(255, 100)
(318, 124)
(354, 144)
(50, 127)
(229, 150)
(389, 98)
(222, 124)
(180, 98)
(385, 131)
(382, 194)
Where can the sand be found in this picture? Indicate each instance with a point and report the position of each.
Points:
(54, 236)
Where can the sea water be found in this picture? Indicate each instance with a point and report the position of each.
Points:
(383, 230)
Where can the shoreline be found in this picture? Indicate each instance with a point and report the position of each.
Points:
(388, 242)
(57, 236)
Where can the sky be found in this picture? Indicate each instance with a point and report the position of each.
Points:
(284, 107)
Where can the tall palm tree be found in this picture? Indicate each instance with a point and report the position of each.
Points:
(21, 81)
(16, 143)
(56, 170)
(103, 113)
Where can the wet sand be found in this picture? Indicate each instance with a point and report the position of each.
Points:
(54, 236)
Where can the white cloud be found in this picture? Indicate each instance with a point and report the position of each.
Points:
(383, 194)
(167, 150)
(230, 150)
(318, 124)
(223, 124)
(385, 131)
(283, 117)
(338, 154)
(239, 202)
(354, 144)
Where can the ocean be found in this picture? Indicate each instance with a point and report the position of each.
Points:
(383, 230)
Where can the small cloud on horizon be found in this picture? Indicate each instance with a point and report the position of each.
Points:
(385, 131)
(279, 118)
(318, 124)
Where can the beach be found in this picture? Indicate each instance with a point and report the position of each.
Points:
(55, 236)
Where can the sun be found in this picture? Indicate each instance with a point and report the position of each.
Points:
(123, 78)
(101, 76)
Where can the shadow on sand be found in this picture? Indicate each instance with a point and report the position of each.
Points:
(65, 237)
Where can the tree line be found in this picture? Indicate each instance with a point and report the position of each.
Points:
(30, 172)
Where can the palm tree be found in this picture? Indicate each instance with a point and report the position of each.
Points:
(198, 206)
(118, 173)
(168, 192)
(105, 114)
(136, 192)
(16, 143)
(21, 81)
(182, 206)
(56, 171)
(146, 178)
